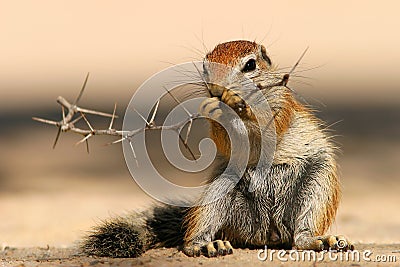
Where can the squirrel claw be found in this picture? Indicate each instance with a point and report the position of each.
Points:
(234, 99)
(192, 251)
(328, 242)
(211, 249)
(339, 243)
(218, 248)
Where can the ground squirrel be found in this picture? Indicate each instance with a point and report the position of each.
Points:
(295, 201)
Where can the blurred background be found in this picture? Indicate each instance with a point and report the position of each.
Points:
(46, 48)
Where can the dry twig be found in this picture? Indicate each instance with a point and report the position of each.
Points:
(75, 113)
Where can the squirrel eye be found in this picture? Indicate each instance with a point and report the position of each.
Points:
(250, 66)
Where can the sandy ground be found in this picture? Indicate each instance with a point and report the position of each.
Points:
(383, 255)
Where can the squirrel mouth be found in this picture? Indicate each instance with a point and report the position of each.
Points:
(215, 90)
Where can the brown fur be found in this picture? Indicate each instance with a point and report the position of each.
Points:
(294, 203)
(287, 112)
(221, 139)
(229, 52)
(326, 219)
(191, 221)
(283, 116)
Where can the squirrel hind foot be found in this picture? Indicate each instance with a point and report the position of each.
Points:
(209, 249)
(327, 242)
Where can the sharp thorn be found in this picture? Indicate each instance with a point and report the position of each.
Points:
(177, 101)
(113, 116)
(119, 140)
(84, 139)
(141, 116)
(87, 122)
(63, 113)
(87, 145)
(186, 146)
(298, 61)
(116, 141)
(45, 121)
(57, 136)
(188, 132)
(154, 112)
(93, 112)
(76, 120)
(83, 89)
(133, 152)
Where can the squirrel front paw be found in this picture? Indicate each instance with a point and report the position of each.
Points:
(234, 99)
(212, 107)
(208, 249)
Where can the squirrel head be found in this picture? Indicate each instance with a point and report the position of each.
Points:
(250, 59)
(246, 57)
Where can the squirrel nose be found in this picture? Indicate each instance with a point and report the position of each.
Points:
(216, 90)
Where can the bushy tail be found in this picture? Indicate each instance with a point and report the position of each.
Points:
(132, 235)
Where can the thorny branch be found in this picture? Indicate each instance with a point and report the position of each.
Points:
(75, 113)
(68, 121)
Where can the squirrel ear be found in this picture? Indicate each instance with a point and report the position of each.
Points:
(264, 55)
